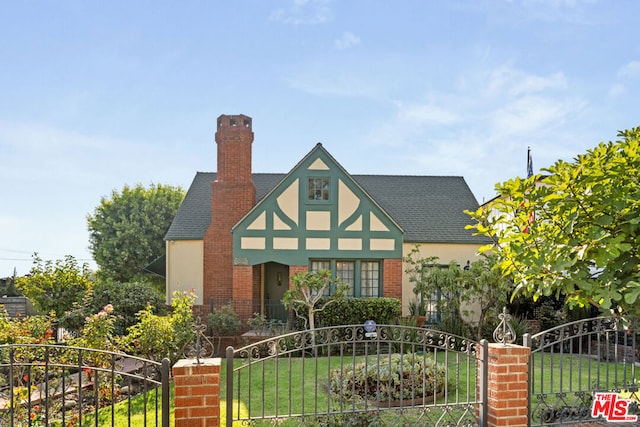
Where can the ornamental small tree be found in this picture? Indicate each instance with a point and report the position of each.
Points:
(309, 293)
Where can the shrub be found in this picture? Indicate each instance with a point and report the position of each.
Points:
(223, 321)
(355, 311)
(156, 337)
(406, 376)
(127, 299)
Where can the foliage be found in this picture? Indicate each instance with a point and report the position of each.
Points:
(223, 321)
(155, 337)
(433, 281)
(25, 330)
(585, 239)
(485, 286)
(454, 325)
(8, 286)
(127, 230)
(406, 376)
(98, 331)
(127, 299)
(306, 293)
(55, 286)
(355, 311)
(480, 283)
(417, 307)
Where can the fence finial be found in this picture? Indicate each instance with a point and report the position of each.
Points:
(203, 346)
(504, 333)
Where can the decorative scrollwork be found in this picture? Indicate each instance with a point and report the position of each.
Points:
(202, 347)
(504, 333)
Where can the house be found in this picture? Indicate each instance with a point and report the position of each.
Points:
(240, 236)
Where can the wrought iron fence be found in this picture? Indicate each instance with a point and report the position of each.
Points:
(56, 385)
(571, 362)
(359, 375)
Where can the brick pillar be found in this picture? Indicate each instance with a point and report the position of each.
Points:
(392, 278)
(508, 385)
(243, 287)
(197, 393)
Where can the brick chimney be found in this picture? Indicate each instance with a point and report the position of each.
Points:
(232, 196)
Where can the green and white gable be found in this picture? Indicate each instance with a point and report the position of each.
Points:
(316, 212)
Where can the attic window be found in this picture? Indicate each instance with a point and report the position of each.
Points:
(318, 188)
(232, 122)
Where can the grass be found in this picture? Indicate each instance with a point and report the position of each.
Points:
(289, 386)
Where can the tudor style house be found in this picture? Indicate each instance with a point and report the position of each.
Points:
(240, 236)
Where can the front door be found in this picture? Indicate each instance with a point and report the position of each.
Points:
(276, 283)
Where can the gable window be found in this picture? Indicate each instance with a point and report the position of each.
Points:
(363, 277)
(318, 188)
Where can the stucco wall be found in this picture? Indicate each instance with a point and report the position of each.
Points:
(185, 260)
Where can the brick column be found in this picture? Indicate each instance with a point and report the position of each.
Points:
(508, 385)
(197, 393)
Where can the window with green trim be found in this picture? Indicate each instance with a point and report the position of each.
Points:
(363, 277)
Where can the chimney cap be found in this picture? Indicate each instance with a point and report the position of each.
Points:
(234, 120)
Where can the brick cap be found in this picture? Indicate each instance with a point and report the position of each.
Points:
(499, 348)
(189, 363)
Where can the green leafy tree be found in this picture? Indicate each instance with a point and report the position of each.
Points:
(479, 285)
(307, 292)
(55, 286)
(127, 230)
(577, 231)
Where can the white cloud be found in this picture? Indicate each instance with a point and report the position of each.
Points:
(426, 114)
(632, 69)
(515, 82)
(347, 40)
(304, 12)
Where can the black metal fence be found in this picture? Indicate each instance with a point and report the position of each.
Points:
(359, 375)
(56, 385)
(571, 362)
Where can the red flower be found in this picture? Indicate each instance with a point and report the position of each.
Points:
(25, 378)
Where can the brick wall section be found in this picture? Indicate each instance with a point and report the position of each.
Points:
(243, 287)
(507, 385)
(197, 393)
(392, 278)
(294, 269)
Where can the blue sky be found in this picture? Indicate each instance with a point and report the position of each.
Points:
(96, 95)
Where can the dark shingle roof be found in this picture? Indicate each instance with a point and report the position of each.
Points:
(428, 208)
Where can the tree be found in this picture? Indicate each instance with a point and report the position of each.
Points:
(55, 286)
(577, 231)
(486, 287)
(453, 288)
(127, 230)
(308, 290)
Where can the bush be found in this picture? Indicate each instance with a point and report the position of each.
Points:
(406, 376)
(355, 311)
(127, 299)
(223, 321)
(156, 337)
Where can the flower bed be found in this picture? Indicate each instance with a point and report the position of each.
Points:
(406, 377)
